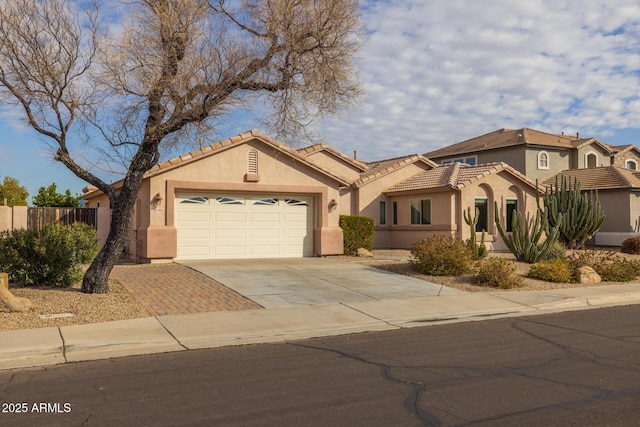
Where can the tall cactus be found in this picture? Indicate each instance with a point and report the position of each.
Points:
(578, 215)
(479, 250)
(524, 242)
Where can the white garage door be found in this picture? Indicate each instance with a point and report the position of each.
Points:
(212, 226)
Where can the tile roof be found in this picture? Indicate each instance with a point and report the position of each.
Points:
(602, 178)
(383, 167)
(502, 138)
(454, 176)
(325, 147)
(221, 146)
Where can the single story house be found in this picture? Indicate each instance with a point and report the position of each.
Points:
(251, 196)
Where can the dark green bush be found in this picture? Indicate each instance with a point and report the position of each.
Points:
(497, 273)
(554, 270)
(441, 256)
(50, 256)
(609, 265)
(358, 233)
(631, 245)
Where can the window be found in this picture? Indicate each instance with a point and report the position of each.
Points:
(198, 200)
(591, 160)
(295, 202)
(631, 164)
(421, 211)
(512, 206)
(383, 212)
(543, 160)
(473, 160)
(394, 207)
(229, 201)
(266, 202)
(483, 207)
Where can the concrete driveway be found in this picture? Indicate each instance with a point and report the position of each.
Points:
(282, 282)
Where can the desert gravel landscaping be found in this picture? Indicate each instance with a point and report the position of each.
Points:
(119, 304)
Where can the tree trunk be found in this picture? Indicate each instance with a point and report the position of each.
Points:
(96, 279)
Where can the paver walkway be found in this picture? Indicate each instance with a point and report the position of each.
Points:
(176, 289)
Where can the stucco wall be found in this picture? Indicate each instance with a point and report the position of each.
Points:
(617, 206)
(226, 173)
(558, 161)
(338, 166)
(603, 158)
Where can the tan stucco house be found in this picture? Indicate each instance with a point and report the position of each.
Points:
(251, 196)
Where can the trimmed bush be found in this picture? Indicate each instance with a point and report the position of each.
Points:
(358, 233)
(441, 256)
(555, 270)
(610, 266)
(631, 246)
(497, 273)
(50, 256)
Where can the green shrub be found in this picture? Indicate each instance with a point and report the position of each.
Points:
(557, 251)
(50, 256)
(441, 256)
(554, 270)
(497, 273)
(358, 233)
(610, 266)
(631, 245)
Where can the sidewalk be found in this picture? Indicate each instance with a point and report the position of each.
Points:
(48, 346)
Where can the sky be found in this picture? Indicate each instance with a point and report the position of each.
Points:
(437, 72)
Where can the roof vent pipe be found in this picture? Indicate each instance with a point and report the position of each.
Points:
(578, 135)
(355, 155)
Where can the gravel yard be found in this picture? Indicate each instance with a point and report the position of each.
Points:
(119, 304)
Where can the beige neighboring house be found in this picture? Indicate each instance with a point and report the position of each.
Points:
(541, 156)
(619, 193)
(433, 201)
(251, 196)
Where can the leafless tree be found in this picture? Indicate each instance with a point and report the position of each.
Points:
(169, 67)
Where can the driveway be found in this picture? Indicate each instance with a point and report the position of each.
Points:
(282, 282)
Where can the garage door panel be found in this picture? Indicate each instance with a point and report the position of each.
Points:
(204, 217)
(195, 233)
(241, 226)
(231, 217)
(230, 233)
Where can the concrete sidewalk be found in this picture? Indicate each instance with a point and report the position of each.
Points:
(48, 346)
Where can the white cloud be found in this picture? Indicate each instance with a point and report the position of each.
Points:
(438, 72)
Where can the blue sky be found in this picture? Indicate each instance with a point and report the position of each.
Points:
(440, 71)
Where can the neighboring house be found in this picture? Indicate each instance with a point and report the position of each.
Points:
(433, 201)
(619, 193)
(538, 155)
(252, 197)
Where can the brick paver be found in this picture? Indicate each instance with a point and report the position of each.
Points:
(176, 289)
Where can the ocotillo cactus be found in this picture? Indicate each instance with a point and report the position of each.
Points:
(479, 250)
(578, 215)
(524, 242)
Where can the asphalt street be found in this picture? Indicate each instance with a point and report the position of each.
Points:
(572, 368)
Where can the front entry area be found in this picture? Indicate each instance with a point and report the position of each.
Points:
(227, 226)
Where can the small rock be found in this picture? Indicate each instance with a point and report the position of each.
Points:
(13, 304)
(587, 276)
(362, 252)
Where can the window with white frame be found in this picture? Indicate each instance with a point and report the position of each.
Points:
(421, 212)
(482, 207)
(470, 160)
(631, 164)
(543, 160)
